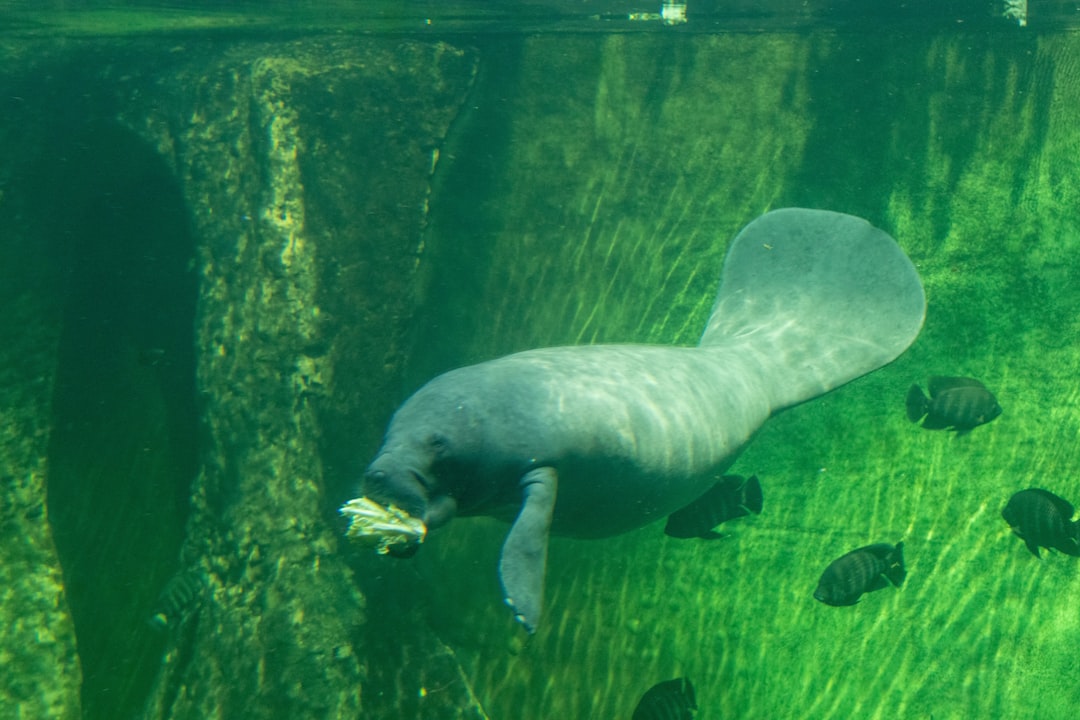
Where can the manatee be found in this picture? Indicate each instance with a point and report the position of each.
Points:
(596, 440)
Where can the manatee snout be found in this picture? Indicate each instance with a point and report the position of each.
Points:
(400, 486)
(416, 490)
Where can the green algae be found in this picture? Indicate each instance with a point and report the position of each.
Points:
(224, 146)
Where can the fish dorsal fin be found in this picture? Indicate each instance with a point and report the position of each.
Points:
(1062, 505)
(939, 384)
(814, 299)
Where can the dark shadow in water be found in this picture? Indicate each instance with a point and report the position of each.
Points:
(463, 222)
(122, 451)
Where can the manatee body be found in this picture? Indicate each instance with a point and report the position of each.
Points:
(593, 441)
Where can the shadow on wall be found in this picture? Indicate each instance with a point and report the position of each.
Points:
(122, 451)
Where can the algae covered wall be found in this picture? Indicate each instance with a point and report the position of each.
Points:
(38, 636)
(210, 265)
(618, 190)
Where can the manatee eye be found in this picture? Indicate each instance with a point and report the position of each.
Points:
(439, 444)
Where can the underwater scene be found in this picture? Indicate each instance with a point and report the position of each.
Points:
(540, 360)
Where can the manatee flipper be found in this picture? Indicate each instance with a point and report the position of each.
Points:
(524, 554)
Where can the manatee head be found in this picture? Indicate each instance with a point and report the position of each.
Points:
(406, 474)
(432, 462)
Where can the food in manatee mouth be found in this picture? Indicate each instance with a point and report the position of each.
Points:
(382, 526)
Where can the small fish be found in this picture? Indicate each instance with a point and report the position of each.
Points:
(177, 599)
(1041, 518)
(731, 497)
(861, 571)
(958, 403)
(668, 700)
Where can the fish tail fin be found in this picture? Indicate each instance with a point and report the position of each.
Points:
(896, 571)
(917, 403)
(752, 497)
(1074, 547)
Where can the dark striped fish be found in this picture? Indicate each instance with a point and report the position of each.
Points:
(861, 571)
(731, 497)
(956, 403)
(182, 594)
(668, 700)
(1041, 518)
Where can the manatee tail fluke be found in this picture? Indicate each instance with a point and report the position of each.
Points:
(817, 298)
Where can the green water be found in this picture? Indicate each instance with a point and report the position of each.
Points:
(584, 190)
(964, 147)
